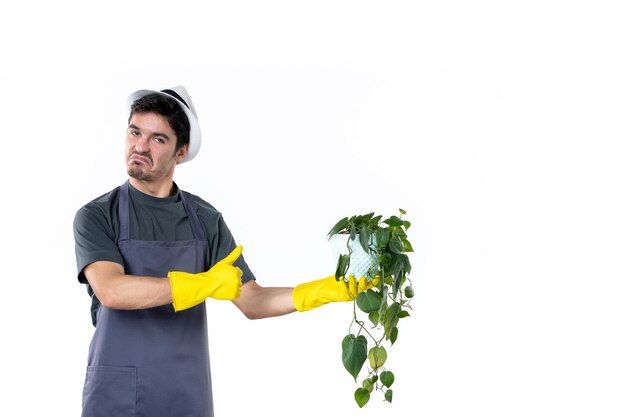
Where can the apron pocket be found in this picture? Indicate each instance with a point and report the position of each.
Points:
(110, 391)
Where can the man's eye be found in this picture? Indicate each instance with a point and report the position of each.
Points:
(159, 140)
(134, 132)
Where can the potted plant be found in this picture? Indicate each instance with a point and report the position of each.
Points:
(374, 248)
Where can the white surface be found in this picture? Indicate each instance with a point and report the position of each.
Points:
(497, 126)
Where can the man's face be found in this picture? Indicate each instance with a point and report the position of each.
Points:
(150, 147)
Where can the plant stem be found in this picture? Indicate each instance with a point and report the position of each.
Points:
(361, 324)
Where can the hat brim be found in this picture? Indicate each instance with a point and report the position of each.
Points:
(195, 137)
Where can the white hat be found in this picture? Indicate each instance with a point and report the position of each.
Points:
(180, 95)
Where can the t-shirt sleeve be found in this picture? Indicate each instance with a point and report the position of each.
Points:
(94, 239)
(222, 243)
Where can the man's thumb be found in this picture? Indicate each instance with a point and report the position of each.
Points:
(232, 257)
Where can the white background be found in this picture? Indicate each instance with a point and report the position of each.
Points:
(498, 127)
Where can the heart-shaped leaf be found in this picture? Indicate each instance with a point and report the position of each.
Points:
(354, 353)
(369, 301)
(362, 396)
(377, 357)
(387, 378)
(389, 395)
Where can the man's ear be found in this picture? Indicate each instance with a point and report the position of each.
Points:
(182, 153)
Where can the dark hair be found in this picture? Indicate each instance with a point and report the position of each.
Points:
(168, 108)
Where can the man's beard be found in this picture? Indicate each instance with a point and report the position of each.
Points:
(136, 171)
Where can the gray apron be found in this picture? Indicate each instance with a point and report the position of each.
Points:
(151, 362)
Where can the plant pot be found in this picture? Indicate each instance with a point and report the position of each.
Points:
(360, 260)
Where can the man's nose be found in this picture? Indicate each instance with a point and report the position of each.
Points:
(142, 144)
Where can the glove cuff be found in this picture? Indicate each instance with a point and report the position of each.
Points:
(298, 296)
(310, 295)
(174, 277)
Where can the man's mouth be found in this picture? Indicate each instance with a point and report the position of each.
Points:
(141, 159)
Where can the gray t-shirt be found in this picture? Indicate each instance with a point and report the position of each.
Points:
(96, 229)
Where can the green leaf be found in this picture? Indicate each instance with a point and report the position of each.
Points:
(369, 301)
(373, 223)
(368, 384)
(383, 305)
(409, 292)
(402, 211)
(390, 321)
(387, 378)
(354, 353)
(342, 266)
(396, 246)
(407, 245)
(365, 218)
(374, 317)
(397, 281)
(377, 357)
(362, 396)
(394, 221)
(407, 225)
(385, 259)
(402, 314)
(382, 237)
(394, 335)
(389, 395)
(406, 263)
(341, 225)
(364, 239)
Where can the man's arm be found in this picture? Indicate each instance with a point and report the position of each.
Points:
(184, 290)
(119, 291)
(257, 302)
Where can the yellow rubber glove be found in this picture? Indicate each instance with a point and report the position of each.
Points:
(222, 281)
(313, 294)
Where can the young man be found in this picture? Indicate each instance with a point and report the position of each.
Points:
(151, 254)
